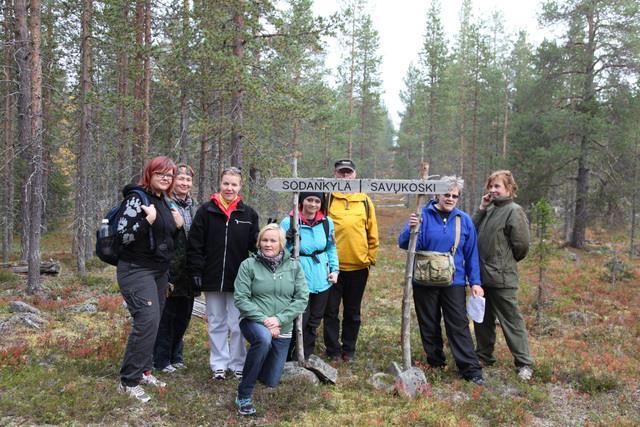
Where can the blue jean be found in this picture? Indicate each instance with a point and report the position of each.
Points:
(265, 358)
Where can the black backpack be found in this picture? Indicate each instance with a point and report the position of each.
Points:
(325, 226)
(108, 243)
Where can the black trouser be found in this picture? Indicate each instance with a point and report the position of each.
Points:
(173, 325)
(311, 319)
(349, 290)
(432, 303)
(143, 290)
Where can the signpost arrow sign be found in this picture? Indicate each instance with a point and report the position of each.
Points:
(329, 185)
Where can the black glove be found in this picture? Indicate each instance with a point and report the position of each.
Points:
(197, 283)
(291, 236)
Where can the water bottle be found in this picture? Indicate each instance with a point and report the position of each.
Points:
(105, 230)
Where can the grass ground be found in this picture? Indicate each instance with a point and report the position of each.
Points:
(586, 346)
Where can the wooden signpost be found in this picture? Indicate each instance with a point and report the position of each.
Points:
(370, 186)
(421, 187)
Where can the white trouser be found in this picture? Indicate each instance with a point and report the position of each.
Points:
(228, 349)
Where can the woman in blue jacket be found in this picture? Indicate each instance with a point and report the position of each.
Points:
(319, 260)
(438, 233)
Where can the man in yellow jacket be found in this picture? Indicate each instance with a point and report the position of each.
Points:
(356, 233)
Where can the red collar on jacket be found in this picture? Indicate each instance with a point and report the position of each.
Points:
(310, 222)
(215, 198)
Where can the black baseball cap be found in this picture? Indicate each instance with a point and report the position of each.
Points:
(345, 164)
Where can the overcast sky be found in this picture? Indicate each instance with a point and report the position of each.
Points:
(401, 26)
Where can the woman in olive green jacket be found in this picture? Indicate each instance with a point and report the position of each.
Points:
(503, 240)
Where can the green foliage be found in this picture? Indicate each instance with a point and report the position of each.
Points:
(593, 383)
(8, 277)
(96, 281)
(542, 219)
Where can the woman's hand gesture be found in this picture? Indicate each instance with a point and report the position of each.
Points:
(177, 218)
(151, 213)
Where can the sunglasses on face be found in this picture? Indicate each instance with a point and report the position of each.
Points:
(451, 196)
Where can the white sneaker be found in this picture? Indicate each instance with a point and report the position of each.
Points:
(149, 379)
(525, 373)
(169, 369)
(180, 365)
(135, 392)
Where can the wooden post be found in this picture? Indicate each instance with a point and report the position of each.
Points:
(408, 276)
(296, 255)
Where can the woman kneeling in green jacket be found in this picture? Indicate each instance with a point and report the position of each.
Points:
(270, 292)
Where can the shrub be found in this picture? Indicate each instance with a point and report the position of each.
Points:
(8, 276)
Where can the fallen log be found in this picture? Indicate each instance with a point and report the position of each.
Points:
(48, 267)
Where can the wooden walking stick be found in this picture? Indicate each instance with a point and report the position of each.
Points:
(408, 276)
(296, 255)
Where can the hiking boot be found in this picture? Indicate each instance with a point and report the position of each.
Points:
(149, 379)
(218, 374)
(525, 373)
(245, 406)
(179, 365)
(136, 392)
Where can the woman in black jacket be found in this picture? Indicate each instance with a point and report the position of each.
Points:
(223, 232)
(167, 355)
(147, 234)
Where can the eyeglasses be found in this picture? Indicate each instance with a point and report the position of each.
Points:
(163, 175)
(451, 196)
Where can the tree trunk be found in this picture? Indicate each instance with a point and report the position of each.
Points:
(634, 200)
(585, 106)
(138, 89)
(82, 235)
(184, 84)
(22, 54)
(363, 110)
(238, 89)
(146, 108)
(221, 156)
(505, 125)
(204, 142)
(474, 139)
(352, 74)
(582, 188)
(124, 153)
(7, 125)
(37, 196)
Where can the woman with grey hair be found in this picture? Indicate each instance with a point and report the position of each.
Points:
(437, 232)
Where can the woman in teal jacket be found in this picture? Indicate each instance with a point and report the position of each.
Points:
(270, 292)
(319, 260)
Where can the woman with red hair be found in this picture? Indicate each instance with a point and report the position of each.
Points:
(147, 232)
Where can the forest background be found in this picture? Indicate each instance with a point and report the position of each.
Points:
(91, 89)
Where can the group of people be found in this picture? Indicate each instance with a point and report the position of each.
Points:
(487, 249)
(254, 288)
